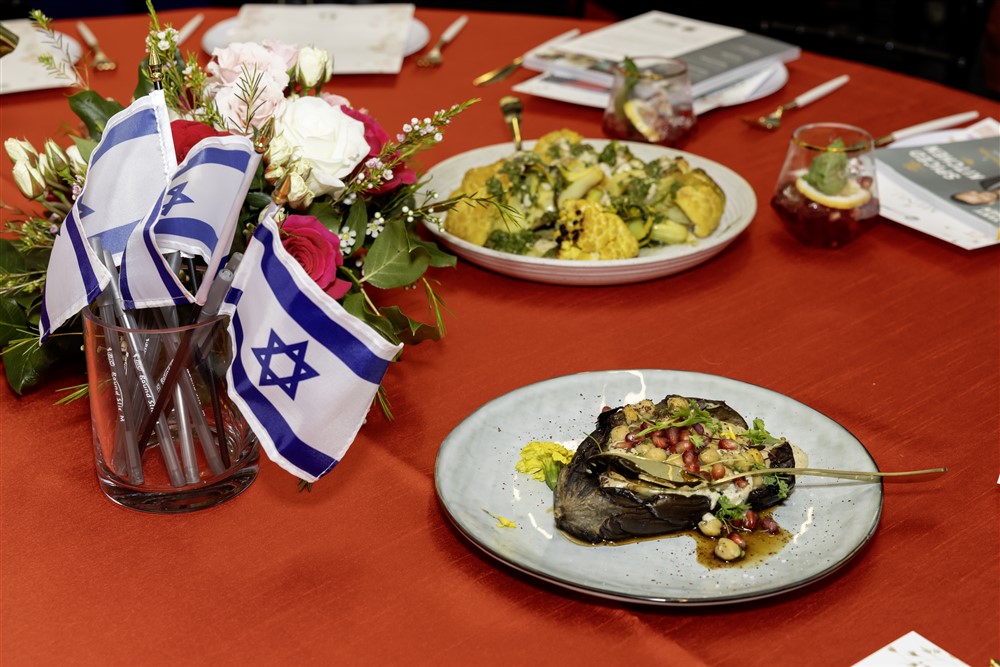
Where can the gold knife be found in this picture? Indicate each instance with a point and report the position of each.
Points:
(504, 71)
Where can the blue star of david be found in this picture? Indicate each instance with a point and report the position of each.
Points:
(175, 196)
(296, 352)
(84, 209)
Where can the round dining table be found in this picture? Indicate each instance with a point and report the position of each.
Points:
(895, 337)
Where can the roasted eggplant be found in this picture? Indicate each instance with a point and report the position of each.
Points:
(618, 488)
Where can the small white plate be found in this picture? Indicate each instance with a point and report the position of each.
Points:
(21, 69)
(217, 37)
(829, 519)
(652, 262)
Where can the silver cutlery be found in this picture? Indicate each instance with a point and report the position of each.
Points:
(504, 71)
(188, 28)
(772, 121)
(102, 62)
(434, 58)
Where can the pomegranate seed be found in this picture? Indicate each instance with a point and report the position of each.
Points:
(632, 439)
(718, 471)
(770, 524)
(736, 537)
(690, 461)
(741, 482)
(673, 435)
(750, 520)
(660, 441)
(726, 443)
(605, 408)
(684, 435)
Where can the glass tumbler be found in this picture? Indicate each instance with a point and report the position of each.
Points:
(650, 102)
(826, 192)
(167, 439)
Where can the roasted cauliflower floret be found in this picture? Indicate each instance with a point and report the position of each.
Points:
(472, 222)
(586, 231)
(556, 145)
(702, 201)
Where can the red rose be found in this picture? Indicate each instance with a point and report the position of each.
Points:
(377, 138)
(187, 133)
(317, 250)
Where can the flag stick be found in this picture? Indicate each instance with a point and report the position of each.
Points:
(162, 426)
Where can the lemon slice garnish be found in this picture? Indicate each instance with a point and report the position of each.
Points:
(643, 118)
(852, 196)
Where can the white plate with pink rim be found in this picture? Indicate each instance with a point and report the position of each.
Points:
(217, 37)
(652, 262)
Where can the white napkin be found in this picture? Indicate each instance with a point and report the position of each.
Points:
(20, 69)
(911, 650)
(361, 38)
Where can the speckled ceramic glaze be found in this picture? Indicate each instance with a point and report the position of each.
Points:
(652, 262)
(829, 519)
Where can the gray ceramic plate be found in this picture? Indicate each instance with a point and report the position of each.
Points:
(652, 262)
(829, 519)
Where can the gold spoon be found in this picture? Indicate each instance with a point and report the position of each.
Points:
(772, 121)
(511, 108)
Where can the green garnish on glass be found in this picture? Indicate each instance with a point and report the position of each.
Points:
(828, 171)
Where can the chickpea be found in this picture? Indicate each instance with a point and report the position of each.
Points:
(642, 448)
(645, 408)
(618, 433)
(630, 413)
(742, 463)
(710, 527)
(708, 455)
(676, 460)
(728, 550)
(656, 454)
(676, 404)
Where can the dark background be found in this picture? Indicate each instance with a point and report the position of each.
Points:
(955, 42)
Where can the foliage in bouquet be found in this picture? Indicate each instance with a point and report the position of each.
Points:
(350, 204)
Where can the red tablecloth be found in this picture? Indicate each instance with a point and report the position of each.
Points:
(895, 337)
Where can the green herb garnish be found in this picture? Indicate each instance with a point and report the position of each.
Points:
(828, 171)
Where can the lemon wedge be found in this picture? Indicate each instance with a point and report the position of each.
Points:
(852, 196)
(643, 117)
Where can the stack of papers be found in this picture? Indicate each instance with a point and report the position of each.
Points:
(579, 70)
(361, 38)
(921, 184)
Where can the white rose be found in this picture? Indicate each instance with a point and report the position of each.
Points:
(314, 67)
(77, 165)
(299, 196)
(20, 150)
(28, 180)
(329, 141)
(279, 152)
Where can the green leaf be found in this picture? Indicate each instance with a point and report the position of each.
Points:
(327, 214)
(357, 221)
(439, 258)
(257, 200)
(13, 321)
(410, 331)
(94, 111)
(86, 146)
(11, 260)
(392, 261)
(354, 303)
(25, 364)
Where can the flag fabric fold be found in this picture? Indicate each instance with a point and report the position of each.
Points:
(195, 214)
(305, 371)
(127, 172)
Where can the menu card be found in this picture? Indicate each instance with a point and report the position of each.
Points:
(911, 650)
(361, 38)
(716, 55)
(948, 189)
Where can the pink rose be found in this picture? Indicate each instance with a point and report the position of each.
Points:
(317, 250)
(377, 138)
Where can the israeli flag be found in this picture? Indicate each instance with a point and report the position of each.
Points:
(128, 170)
(305, 371)
(195, 214)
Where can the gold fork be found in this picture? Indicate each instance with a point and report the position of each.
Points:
(433, 58)
(101, 61)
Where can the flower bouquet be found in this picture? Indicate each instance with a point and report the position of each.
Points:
(348, 203)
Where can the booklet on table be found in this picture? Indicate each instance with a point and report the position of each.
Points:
(579, 70)
(947, 185)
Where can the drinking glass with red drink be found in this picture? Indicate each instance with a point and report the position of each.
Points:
(826, 193)
(650, 101)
